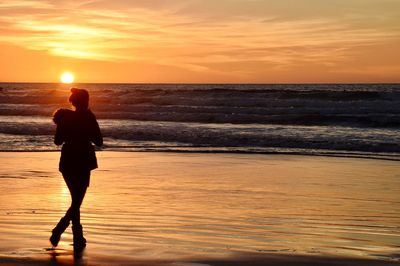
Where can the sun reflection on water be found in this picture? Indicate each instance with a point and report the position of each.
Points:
(173, 204)
(64, 198)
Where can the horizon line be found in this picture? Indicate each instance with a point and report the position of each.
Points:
(211, 83)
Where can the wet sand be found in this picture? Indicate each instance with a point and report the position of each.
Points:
(205, 209)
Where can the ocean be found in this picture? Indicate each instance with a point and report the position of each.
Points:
(189, 203)
(351, 120)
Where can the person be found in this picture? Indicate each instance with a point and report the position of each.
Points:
(76, 130)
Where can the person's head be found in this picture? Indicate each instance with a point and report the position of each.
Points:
(62, 116)
(79, 99)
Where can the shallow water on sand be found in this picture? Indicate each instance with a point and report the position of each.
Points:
(163, 205)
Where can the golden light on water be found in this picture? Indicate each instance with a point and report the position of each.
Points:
(67, 77)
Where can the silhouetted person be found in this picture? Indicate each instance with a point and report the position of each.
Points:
(77, 130)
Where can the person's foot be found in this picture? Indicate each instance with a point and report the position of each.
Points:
(57, 231)
(54, 239)
(79, 240)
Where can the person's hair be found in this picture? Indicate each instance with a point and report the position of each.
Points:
(79, 98)
(61, 114)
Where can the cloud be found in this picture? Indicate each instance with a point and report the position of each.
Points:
(202, 35)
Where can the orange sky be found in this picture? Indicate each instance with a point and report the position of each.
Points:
(200, 41)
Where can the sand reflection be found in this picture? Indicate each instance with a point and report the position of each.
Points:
(164, 205)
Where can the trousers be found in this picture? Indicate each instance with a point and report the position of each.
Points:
(77, 183)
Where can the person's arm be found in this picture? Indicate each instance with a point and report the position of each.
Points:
(95, 135)
(58, 137)
(58, 117)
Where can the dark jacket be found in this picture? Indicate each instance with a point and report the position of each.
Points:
(77, 130)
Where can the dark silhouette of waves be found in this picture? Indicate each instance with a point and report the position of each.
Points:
(214, 117)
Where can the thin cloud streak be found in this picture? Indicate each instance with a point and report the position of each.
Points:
(174, 35)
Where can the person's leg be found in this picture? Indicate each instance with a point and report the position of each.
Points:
(58, 230)
(77, 185)
(77, 198)
(64, 222)
(78, 195)
(77, 189)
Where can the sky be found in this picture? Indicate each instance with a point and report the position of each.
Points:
(201, 41)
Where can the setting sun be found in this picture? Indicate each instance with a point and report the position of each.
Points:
(67, 77)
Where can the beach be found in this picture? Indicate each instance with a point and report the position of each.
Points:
(164, 208)
(200, 133)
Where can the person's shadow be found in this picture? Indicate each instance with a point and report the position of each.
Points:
(78, 257)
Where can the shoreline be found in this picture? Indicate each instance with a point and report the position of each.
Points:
(350, 155)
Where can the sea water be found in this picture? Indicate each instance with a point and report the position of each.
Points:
(329, 119)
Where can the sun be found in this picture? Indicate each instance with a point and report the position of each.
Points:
(67, 77)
